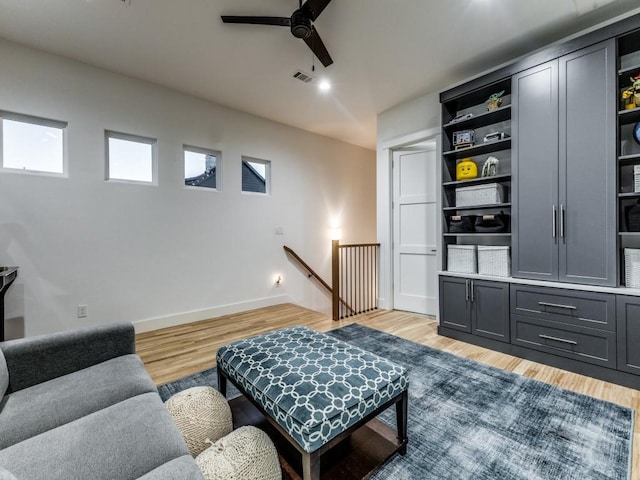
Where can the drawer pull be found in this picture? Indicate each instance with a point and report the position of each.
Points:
(557, 305)
(556, 339)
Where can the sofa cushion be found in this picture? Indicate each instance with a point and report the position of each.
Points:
(4, 376)
(123, 441)
(48, 405)
(181, 468)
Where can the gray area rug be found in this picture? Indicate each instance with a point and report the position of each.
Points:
(471, 421)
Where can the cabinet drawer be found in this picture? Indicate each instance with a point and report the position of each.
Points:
(584, 344)
(584, 309)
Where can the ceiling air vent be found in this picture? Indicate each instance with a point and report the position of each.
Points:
(305, 77)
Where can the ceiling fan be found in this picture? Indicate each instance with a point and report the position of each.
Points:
(301, 23)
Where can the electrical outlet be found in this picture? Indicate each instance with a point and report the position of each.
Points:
(82, 311)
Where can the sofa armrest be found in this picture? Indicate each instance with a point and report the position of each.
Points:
(37, 359)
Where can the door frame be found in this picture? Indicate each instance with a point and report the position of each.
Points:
(384, 207)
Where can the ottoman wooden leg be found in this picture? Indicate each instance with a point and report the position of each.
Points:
(222, 383)
(401, 420)
(310, 466)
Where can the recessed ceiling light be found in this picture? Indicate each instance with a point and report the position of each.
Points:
(324, 86)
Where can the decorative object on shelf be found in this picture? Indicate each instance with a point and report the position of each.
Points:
(462, 259)
(466, 169)
(631, 95)
(495, 223)
(461, 223)
(495, 101)
(461, 116)
(494, 137)
(464, 139)
(488, 194)
(490, 167)
(632, 267)
(632, 217)
(636, 132)
(494, 261)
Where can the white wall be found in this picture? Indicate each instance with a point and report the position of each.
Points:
(135, 252)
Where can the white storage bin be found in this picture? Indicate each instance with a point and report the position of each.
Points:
(488, 194)
(636, 178)
(494, 261)
(632, 267)
(461, 259)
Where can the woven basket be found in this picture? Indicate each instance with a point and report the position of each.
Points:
(636, 178)
(461, 259)
(632, 267)
(489, 194)
(494, 261)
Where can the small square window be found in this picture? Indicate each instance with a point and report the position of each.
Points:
(201, 167)
(130, 158)
(32, 144)
(256, 176)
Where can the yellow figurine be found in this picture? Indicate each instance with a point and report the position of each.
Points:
(631, 95)
(466, 169)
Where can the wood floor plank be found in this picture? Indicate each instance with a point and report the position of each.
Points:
(176, 352)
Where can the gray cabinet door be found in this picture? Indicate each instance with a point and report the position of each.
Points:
(490, 310)
(535, 173)
(455, 303)
(587, 161)
(628, 312)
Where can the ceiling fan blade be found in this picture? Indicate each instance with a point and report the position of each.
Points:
(313, 8)
(317, 47)
(277, 21)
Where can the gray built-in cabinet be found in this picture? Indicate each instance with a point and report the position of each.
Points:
(564, 169)
(567, 171)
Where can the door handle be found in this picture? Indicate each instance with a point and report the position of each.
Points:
(473, 296)
(561, 221)
(556, 305)
(466, 290)
(554, 222)
(556, 339)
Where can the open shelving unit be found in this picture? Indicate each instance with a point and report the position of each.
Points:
(483, 122)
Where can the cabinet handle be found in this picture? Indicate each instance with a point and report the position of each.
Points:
(549, 337)
(554, 224)
(561, 221)
(557, 305)
(466, 290)
(473, 296)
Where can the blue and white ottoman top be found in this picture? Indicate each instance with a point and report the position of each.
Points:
(313, 385)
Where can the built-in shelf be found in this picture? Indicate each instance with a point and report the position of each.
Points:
(629, 116)
(478, 207)
(629, 195)
(629, 234)
(479, 180)
(481, 120)
(476, 234)
(628, 70)
(629, 159)
(480, 149)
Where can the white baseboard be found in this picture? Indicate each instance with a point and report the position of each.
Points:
(151, 324)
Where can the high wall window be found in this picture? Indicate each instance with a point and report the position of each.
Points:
(201, 167)
(32, 144)
(131, 158)
(256, 175)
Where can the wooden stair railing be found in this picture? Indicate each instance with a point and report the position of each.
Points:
(311, 273)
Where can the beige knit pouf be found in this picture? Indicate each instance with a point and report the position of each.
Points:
(245, 454)
(201, 413)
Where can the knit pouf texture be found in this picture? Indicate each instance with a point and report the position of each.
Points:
(201, 414)
(245, 454)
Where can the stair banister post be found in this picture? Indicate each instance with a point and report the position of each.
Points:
(335, 278)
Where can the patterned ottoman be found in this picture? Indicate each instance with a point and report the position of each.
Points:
(314, 388)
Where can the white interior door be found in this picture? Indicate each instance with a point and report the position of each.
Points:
(415, 217)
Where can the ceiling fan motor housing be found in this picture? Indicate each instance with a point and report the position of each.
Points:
(300, 25)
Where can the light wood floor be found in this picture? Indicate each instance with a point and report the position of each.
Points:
(175, 352)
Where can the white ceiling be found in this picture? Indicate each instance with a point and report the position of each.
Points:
(385, 51)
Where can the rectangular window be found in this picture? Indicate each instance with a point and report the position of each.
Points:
(256, 175)
(32, 144)
(131, 158)
(201, 167)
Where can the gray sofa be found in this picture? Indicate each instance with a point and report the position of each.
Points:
(80, 405)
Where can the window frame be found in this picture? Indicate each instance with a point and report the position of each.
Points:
(129, 137)
(204, 151)
(267, 175)
(40, 121)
